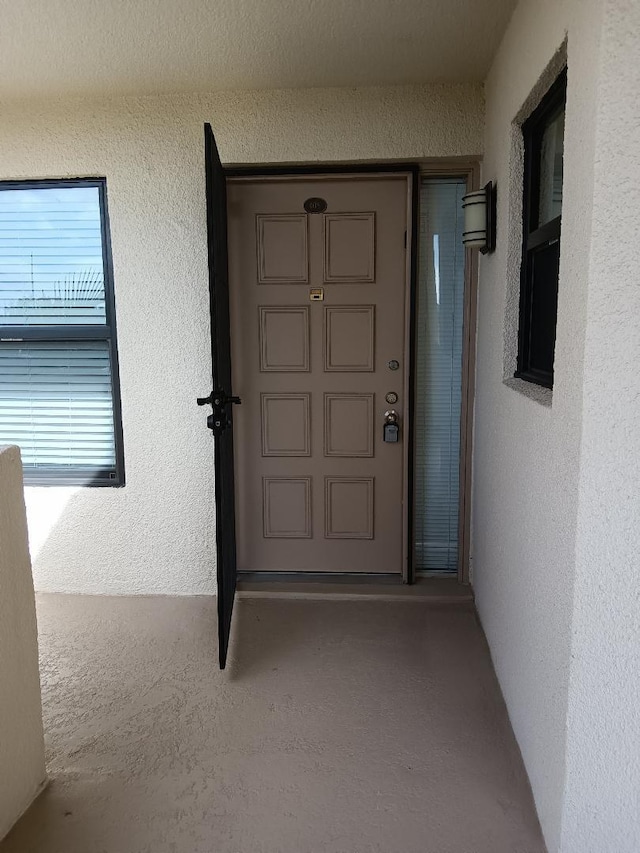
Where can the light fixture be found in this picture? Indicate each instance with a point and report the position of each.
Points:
(480, 219)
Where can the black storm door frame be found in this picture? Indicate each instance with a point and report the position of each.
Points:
(220, 421)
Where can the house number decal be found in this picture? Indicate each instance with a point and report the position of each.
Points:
(315, 205)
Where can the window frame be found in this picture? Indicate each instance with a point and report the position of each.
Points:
(73, 333)
(534, 236)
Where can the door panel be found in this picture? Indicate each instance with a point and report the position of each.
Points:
(349, 338)
(286, 426)
(349, 248)
(317, 314)
(286, 507)
(282, 249)
(284, 339)
(348, 425)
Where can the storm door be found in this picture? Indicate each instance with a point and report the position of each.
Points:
(220, 421)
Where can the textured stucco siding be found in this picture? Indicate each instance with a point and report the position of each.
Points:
(157, 534)
(527, 446)
(21, 737)
(602, 806)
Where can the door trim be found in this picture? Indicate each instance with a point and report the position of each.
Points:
(413, 171)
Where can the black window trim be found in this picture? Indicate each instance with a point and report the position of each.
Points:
(106, 332)
(533, 237)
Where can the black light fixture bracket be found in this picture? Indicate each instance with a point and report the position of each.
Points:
(492, 209)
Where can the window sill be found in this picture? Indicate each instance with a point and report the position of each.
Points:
(61, 480)
(530, 390)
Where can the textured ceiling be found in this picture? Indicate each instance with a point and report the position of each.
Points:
(90, 47)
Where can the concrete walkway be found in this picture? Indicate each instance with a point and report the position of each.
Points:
(339, 726)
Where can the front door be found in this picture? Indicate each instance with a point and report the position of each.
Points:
(318, 271)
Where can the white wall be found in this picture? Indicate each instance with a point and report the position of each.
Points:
(556, 508)
(602, 808)
(21, 736)
(156, 535)
(526, 454)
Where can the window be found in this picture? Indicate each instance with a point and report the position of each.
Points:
(543, 153)
(59, 395)
(438, 374)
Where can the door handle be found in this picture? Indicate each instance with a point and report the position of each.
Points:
(218, 399)
(224, 400)
(218, 420)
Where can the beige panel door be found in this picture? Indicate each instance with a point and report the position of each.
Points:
(317, 487)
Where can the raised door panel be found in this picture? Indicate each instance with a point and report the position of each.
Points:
(349, 338)
(286, 506)
(284, 339)
(350, 248)
(349, 507)
(285, 424)
(348, 425)
(282, 249)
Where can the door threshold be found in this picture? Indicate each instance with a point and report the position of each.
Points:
(346, 587)
(394, 579)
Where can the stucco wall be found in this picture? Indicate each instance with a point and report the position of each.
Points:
(527, 447)
(156, 535)
(602, 806)
(21, 736)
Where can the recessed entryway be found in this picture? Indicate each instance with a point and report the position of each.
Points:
(350, 292)
(337, 330)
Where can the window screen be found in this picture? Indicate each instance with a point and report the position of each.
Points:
(58, 358)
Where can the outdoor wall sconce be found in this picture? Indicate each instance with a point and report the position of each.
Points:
(480, 219)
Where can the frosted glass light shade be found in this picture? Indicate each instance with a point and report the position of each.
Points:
(474, 205)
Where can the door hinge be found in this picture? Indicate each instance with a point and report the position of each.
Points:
(405, 238)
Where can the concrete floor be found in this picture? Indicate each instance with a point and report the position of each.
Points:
(339, 726)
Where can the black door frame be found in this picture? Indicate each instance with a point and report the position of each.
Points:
(413, 170)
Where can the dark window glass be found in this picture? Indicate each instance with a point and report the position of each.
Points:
(551, 154)
(542, 216)
(543, 271)
(59, 397)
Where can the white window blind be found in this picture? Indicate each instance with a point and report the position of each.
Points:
(439, 336)
(55, 403)
(51, 265)
(58, 363)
